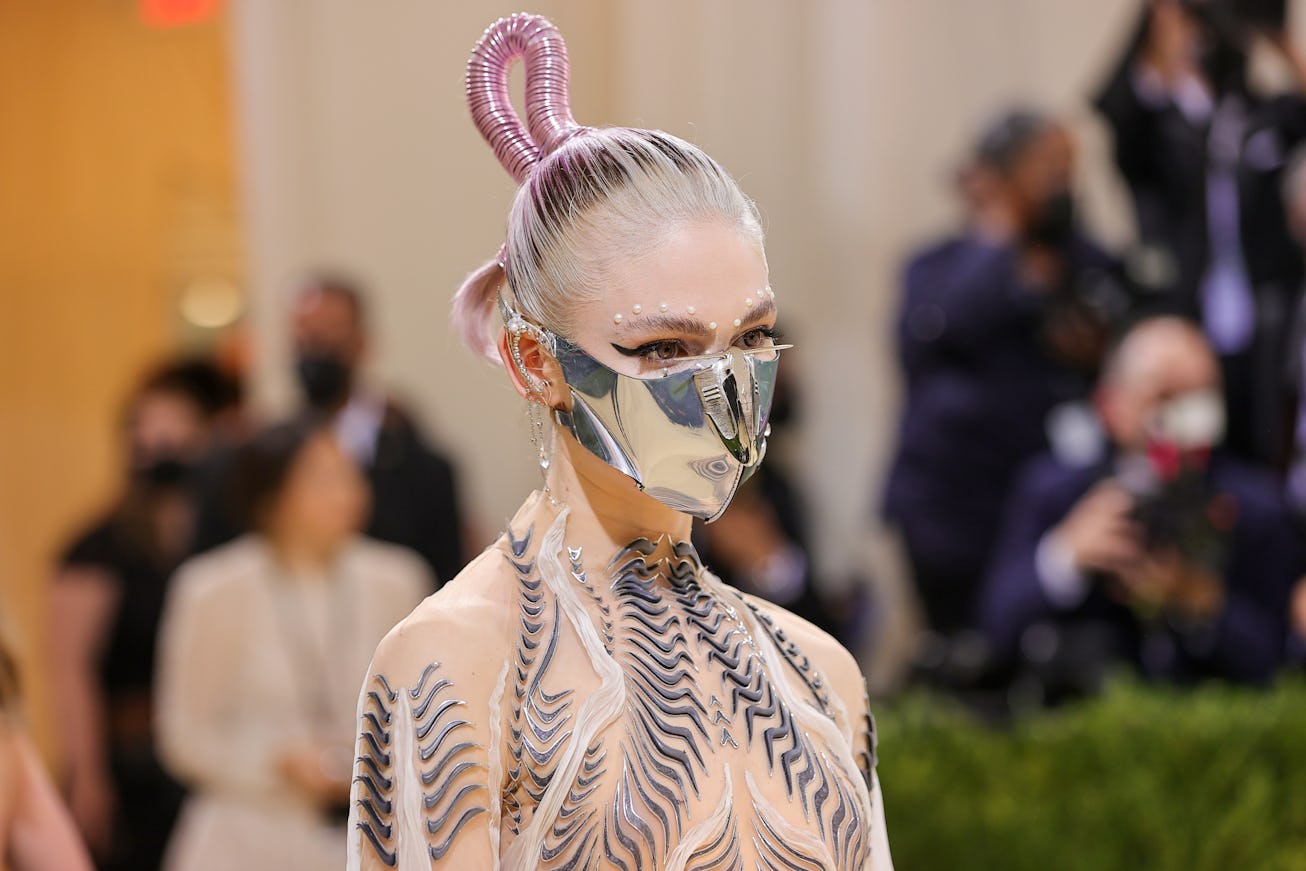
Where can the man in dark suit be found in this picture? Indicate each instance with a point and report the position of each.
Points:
(1203, 154)
(1167, 555)
(993, 335)
(414, 489)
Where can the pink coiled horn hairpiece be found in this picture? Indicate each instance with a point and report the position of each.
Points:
(548, 111)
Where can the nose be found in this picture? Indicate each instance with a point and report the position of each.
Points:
(730, 393)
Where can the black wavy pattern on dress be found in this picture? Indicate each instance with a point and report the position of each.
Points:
(445, 763)
(721, 851)
(374, 771)
(450, 779)
(538, 727)
(867, 741)
(674, 722)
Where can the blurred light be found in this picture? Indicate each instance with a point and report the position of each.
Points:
(211, 302)
(177, 13)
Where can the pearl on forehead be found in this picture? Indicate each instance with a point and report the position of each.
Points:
(748, 301)
(636, 308)
(738, 321)
(617, 317)
(712, 325)
(691, 309)
(662, 306)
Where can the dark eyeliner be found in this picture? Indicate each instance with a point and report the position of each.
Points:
(629, 352)
(775, 334)
(642, 349)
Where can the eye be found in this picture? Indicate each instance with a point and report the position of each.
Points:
(661, 351)
(760, 337)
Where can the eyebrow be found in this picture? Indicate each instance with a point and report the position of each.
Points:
(758, 313)
(661, 323)
(689, 326)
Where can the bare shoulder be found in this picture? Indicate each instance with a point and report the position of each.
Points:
(827, 655)
(462, 630)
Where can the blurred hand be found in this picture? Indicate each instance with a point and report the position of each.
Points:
(93, 804)
(1282, 42)
(1171, 44)
(302, 766)
(1099, 532)
(1166, 581)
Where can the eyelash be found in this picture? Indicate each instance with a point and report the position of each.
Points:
(645, 351)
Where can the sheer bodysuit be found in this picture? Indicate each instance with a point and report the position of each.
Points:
(555, 709)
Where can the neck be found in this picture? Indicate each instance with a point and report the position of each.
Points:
(607, 509)
(302, 556)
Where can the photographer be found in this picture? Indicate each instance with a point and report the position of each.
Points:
(1167, 555)
(999, 326)
(1203, 151)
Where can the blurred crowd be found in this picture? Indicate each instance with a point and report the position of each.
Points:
(1099, 463)
(209, 630)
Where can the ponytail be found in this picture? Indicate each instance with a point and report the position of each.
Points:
(518, 146)
(475, 313)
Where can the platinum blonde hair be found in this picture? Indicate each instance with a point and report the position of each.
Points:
(590, 198)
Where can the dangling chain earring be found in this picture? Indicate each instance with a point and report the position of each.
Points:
(540, 433)
(516, 326)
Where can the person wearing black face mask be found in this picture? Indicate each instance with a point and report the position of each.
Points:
(324, 377)
(106, 600)
(1202, 150)
(414, 488)
(995, 338)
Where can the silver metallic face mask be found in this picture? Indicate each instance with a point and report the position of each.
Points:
(688, 436)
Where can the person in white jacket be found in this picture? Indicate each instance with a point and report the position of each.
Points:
(262, 644)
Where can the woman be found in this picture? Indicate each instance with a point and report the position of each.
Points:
(105, 603)
(585, 694)
(261, 644)
(36, 832)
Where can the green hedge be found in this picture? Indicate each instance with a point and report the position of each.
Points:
(1142, 778)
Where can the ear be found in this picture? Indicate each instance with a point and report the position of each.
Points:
(539, 378)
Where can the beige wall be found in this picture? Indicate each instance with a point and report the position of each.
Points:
(116, 181)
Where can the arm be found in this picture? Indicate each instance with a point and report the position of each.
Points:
(42, 836)
(1057, 535)
(1138, 88)
(82, 602)
(426, 785)
(850, 688)
(199, 739)
(865, 745)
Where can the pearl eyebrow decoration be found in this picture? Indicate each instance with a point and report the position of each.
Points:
(691, 309)
(738, 321)
(636, 308)
(712, 325)
(662, 306)
(617, 318)
(748, 301)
